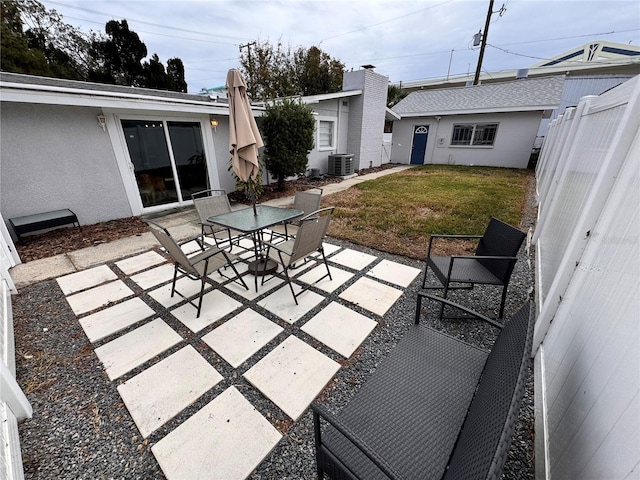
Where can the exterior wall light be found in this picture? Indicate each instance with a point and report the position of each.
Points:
(102, 121)
(214, 124)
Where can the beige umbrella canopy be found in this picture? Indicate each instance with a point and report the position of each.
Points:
(244, 137)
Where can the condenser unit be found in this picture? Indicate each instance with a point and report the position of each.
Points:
(341, 164)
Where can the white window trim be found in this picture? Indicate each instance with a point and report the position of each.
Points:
(473, 133)
(121, 152)
(334, 122)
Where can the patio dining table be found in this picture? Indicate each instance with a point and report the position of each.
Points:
(246, 221)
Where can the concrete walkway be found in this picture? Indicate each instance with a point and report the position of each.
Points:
(183, 224)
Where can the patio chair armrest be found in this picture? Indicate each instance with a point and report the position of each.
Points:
(321, 412)
(445, 301)
(483, 257)
(207, 254)
(450, 237)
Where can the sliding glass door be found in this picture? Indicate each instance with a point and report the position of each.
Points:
(168, 159)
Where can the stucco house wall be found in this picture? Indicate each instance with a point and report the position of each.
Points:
(336, 110)
(514, 140)
(56, 157)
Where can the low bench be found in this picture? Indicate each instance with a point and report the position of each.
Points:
(43, 221)
(435, 408)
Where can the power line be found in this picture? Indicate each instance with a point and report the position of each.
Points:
(207, 34)
(383, 22)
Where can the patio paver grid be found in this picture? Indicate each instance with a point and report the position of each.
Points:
(245, 344)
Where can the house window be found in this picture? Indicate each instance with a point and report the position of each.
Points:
(478, 134)
(325, 134)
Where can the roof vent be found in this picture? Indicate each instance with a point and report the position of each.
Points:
(522, 73)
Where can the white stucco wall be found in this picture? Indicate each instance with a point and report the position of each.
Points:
(336, 110)
(54, 157)
(512, 148)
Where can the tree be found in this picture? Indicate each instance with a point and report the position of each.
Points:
(120, 55)
(274, 71)
(287, 128)
(153, 74)
(47, 47)
(175, 72)
(319, 73)
(394, 95)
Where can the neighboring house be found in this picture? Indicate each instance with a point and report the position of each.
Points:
(490, 125)
(110, 151)
(598, 58)
(589, 69)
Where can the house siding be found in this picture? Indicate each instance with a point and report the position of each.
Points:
(512, 148)
(55, 157)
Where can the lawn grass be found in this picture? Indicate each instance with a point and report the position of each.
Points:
(397, 213)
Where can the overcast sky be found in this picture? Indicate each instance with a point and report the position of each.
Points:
(405, 40)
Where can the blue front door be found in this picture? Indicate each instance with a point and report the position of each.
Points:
(420, 134)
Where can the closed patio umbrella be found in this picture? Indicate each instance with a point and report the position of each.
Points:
(244, 137)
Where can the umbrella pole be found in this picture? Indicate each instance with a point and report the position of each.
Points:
(252, 193)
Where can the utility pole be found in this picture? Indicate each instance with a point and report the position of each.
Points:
(484, 42)
(484, 36)
(250, 69)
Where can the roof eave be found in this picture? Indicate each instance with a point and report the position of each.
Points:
(26, 93)
(531, 108)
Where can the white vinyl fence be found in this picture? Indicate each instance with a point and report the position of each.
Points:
(14, 405)
(587, 336)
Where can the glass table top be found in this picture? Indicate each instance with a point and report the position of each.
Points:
(245, 221)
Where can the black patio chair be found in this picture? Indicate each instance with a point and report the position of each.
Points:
(196, 267)
(492, 264)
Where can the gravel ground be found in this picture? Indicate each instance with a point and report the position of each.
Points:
(81, 428)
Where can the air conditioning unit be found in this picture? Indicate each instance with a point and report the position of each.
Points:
(341, 164)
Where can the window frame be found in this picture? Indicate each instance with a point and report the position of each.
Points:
(476, 136)
(333, 122)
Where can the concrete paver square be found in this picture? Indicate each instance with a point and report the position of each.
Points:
(113, 319)
(152, 404)
(226, 440)
(154, 277)
(185, 286)
(191, 247)
(282, 304)
(353, 259)
(242, 336)
(339, 328)
(140, 262)
(96, 297)
(215, 305)
(329, 249)
(134, 348)
(225, 274)
(252, 293)
(394, 272)
(338, 277)
(91, 277)
(292, 375)
(372, 295)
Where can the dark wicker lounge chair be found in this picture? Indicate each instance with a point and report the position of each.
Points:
(492, 263)
(435, 408)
